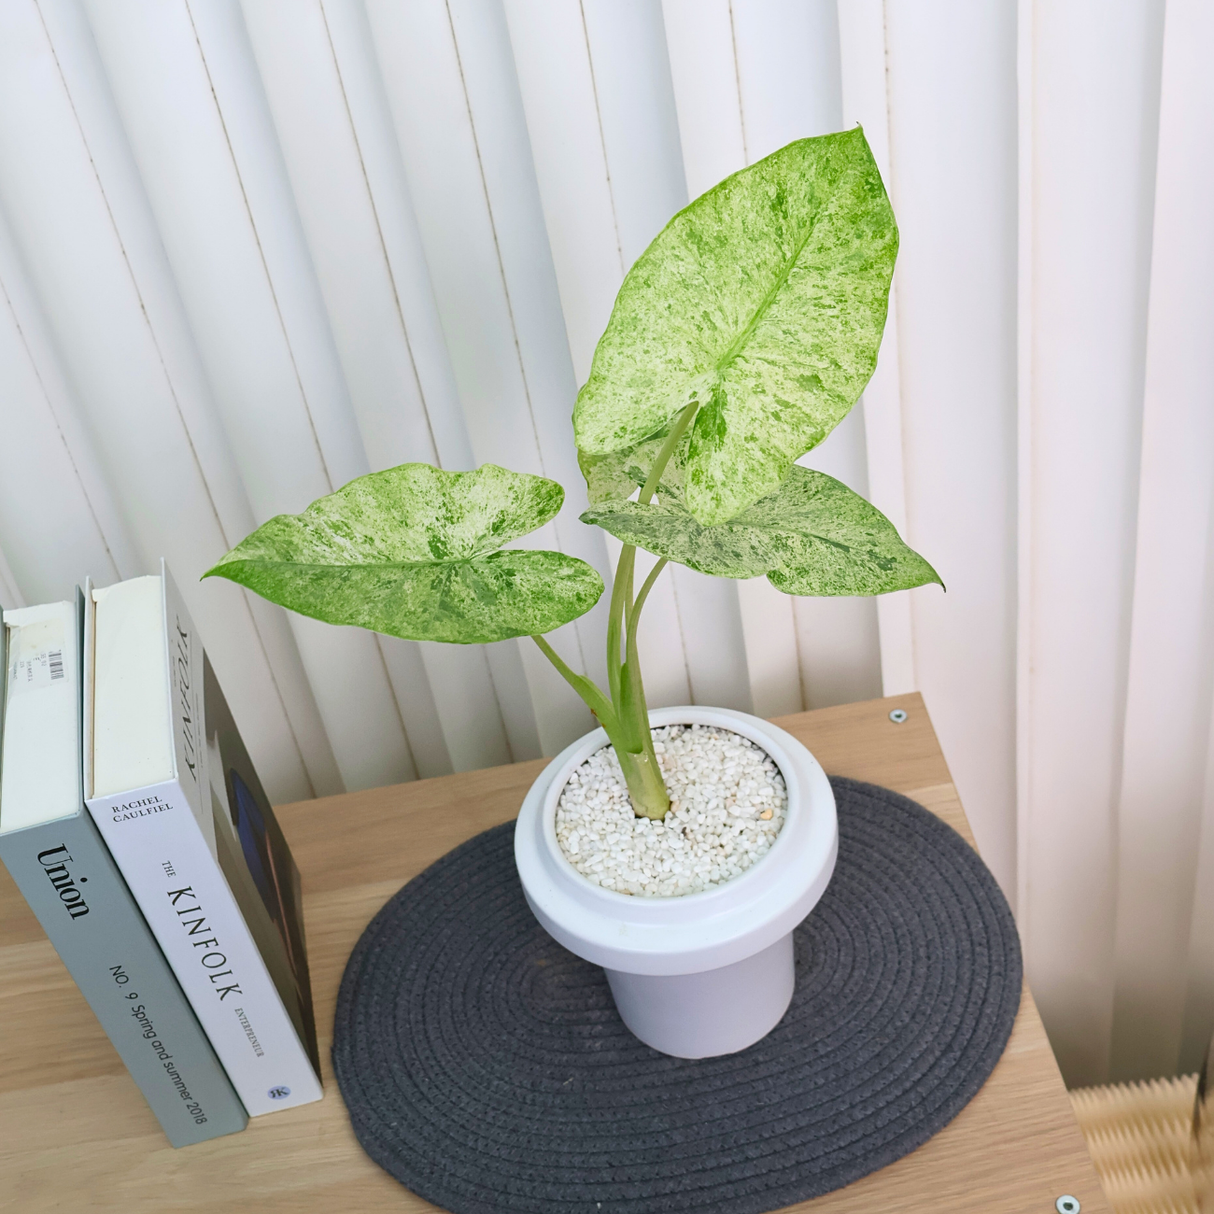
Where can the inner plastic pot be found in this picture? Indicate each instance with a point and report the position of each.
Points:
(699, 974)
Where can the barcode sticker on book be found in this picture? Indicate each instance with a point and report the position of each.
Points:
(35, 657)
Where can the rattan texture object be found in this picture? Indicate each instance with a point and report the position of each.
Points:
(1141, 1139)
(486, 1068)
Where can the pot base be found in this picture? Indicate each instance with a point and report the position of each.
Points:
(704, 1015)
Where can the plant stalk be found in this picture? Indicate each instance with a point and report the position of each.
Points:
(622, 712)
(646, 787)
(667, 449)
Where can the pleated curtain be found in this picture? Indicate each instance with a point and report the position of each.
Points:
(251, 249)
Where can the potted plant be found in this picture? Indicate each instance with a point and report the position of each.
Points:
(738, 341)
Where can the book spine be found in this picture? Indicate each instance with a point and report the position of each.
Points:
(71, 883)
(158, 844)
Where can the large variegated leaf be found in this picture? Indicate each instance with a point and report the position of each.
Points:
(414, 552)
(765, 301)
(812, 536)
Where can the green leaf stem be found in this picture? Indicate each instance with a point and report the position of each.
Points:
(763, 301)
(415, 552)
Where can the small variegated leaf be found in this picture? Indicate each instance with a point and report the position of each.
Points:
(812, 536)
(764, 301)
(414, 552)
(619, 474)
(613, 476)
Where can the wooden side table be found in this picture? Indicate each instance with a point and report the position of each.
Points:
(76, 1135)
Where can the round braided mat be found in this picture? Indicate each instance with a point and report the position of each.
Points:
(485, 1067)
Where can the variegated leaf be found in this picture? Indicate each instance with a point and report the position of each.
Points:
(813, 536)
(416, 552)
(618, 474)
(765, 301)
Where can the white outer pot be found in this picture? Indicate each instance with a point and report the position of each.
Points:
(701, 974)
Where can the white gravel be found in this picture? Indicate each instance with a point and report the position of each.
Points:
(727, 804)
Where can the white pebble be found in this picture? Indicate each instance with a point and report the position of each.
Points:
(713, 831)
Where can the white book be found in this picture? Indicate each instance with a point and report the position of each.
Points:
(172, 791)
(57, 858)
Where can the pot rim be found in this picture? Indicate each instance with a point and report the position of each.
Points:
(684, 933)
(595, 741)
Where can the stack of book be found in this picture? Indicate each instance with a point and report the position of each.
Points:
(134, 824)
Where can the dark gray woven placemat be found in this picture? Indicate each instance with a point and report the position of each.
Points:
(485, 1067)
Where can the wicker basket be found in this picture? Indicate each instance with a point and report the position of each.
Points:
(1140, 1136)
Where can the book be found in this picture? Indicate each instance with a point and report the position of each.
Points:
(49, 844)
(177, 800)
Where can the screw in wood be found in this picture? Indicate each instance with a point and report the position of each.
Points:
(898, 716)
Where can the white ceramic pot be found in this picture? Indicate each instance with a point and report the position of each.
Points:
(701, 974)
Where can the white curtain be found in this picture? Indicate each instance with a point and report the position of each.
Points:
(250, 249)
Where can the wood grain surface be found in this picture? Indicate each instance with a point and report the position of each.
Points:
(75, 1133)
